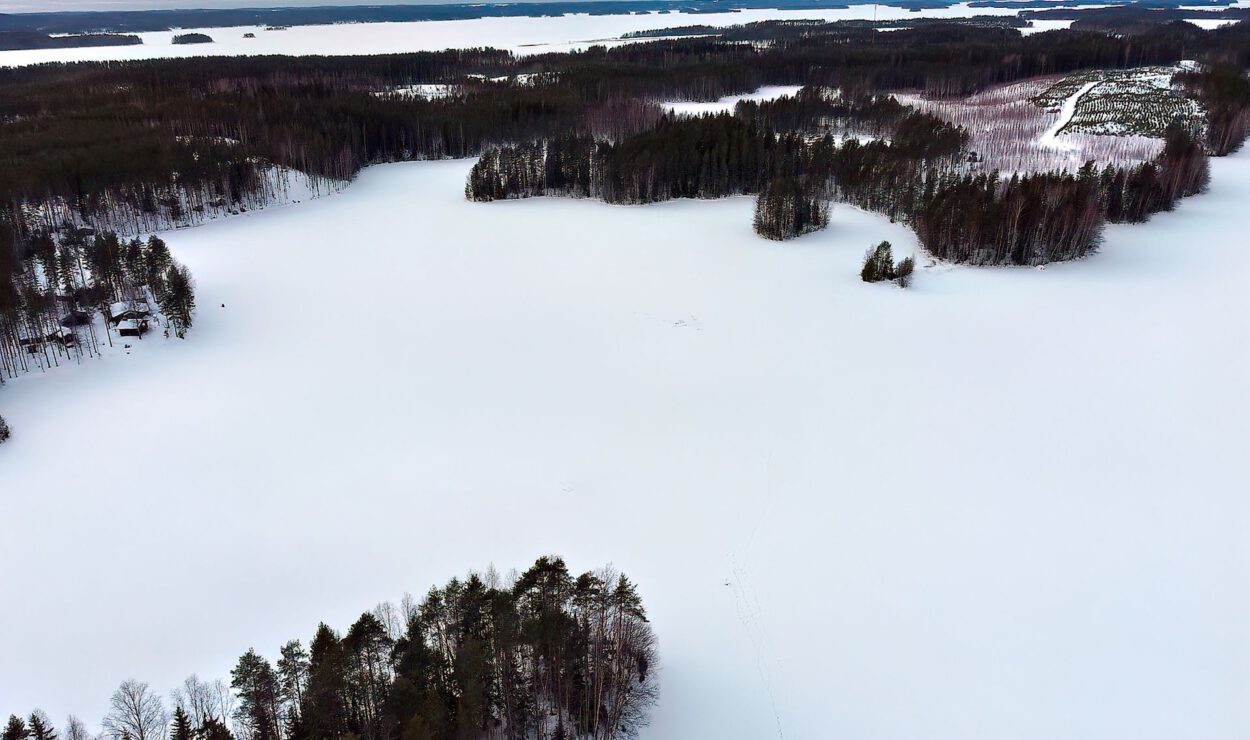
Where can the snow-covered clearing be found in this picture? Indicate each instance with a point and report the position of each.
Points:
(1027, 126)
(727, 103)
(1006, 503)
(523, 35)
(423, 91)
(1050, 139)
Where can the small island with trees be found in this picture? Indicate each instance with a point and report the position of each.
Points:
(191, 38)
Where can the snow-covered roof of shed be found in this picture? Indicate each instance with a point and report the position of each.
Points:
(122, 307)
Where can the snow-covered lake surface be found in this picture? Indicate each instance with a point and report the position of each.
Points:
(1005, 503)
(523, 35)
(727, 103)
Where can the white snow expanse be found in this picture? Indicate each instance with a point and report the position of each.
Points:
(727, 103)
(522, 35)
(1005, 503)
(1050, 138)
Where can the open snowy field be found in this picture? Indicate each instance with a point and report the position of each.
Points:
(729, 102)
(523, 35)
(1005, 503)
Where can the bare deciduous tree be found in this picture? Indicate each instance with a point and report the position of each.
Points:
(135, 713)
(76, 729)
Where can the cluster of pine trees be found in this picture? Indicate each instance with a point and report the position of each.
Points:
(680, 157)
(916, 175)
(54, 285)
(547, 656)
(1133, 195)
(789, 207)
(1029, 220)
(879, 266)
(35, 727)
(1225, 93)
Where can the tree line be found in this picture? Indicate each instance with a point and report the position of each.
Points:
(546, 655)
(145, 145)
(915, 176)
(142, 145)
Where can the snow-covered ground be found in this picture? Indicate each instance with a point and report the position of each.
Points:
(727, 103)
(1005, 503)
(1050, 139)
(523, 35)
(424, 91)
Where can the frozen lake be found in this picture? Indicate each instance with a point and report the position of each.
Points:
(523, 35)
(1007, 503)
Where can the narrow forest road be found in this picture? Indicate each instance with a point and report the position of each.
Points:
(1050, 139)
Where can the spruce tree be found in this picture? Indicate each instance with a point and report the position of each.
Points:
(213, 729)
(4, 430)
(902, 273)
(181, 728)
(41, 727)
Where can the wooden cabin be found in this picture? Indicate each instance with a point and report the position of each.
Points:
(132, 327)
(129, 311)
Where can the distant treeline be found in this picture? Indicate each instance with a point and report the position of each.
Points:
(12, 40)
(792, 29)
(80, 129)
(142, 145)
(545, 655)
(164, 20)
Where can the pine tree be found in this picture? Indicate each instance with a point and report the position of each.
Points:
(878, 264)
(293, 677)
(257, 686)
(325, 703)
(4, 430)
(177, 301)
(156, 263)
(15, 729)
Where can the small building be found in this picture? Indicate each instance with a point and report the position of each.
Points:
(76, 317)
(129, 310)
(132, 327)
(33, 345)
(62, 336)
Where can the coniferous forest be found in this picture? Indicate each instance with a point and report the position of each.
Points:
(93, 155)
(544, 654)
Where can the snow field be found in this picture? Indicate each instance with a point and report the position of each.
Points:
(1005, 503)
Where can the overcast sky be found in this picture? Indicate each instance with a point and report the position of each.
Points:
(33, 6)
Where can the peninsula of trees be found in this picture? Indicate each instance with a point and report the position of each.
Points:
(543, 655)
